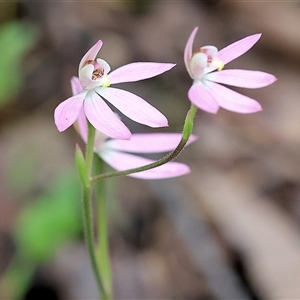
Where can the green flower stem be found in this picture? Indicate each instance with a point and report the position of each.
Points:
(88, 232)
(103, 247)
(87, 209)
(186, 132)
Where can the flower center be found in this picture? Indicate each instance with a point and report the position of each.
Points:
(211, 55)
(216, 62)
(99, 74)
(98, 71)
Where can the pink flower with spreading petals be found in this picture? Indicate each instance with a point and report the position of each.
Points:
(206, 92)
(114, 151)
(95, 79)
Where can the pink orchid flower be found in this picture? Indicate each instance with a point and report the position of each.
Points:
(114, 151)
(206, 92)
(95, 79)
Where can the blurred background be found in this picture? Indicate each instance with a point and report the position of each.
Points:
(228, 230)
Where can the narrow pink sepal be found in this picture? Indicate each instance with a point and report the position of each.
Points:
(233, 101)
(201, 96)
(81, 121)
(238, 48)
(149, 142)
(103, 118)
(66, 113)
(242, 78)
(188, 51)
(138, 71)
(134, 107)
(76, 85)
(91, 54)
(124, 161)
(82, 125)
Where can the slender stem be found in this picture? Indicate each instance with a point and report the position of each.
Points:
(103, 247)
(186, 132)
(88, 232)
(87, 209)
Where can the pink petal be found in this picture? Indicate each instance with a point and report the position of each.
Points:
(149, 142)
(188, 51)
(66, 113)
(124, 161)
(134, 107)
(138, 71)
(238, 48)
(76, 85)
(82, 125)
(233, 101)
(242, 78)
(91, 54)
(103, 118)
(201, 96)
